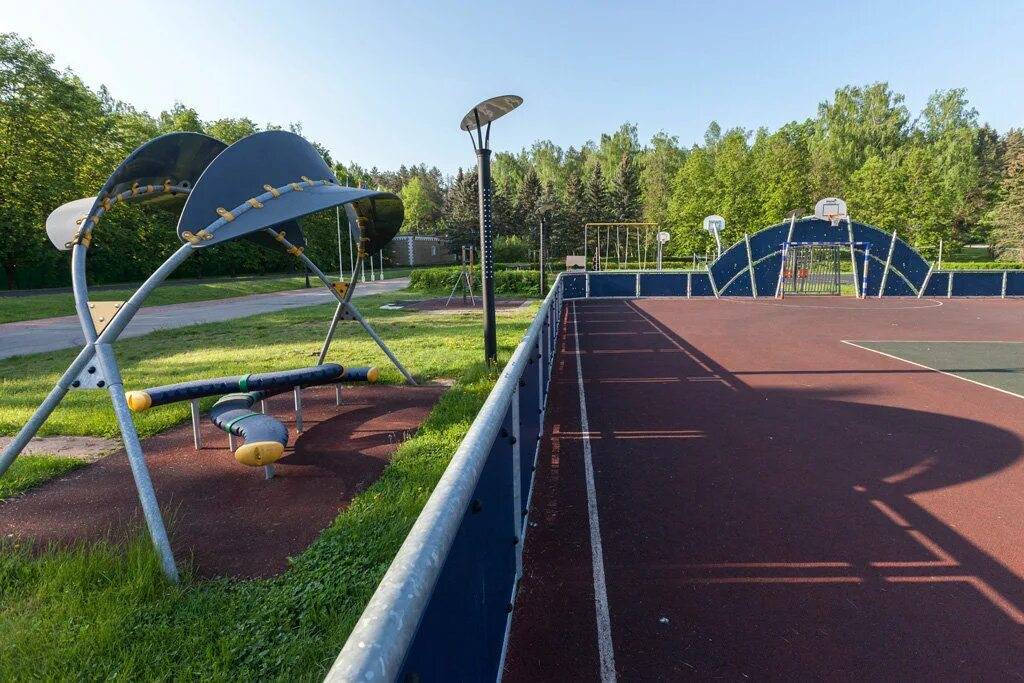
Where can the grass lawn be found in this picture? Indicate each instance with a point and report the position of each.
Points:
(32, 470)
(105, 612)
(38, 306)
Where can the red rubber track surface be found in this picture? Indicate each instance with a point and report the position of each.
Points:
(226, 518)
(794, 507)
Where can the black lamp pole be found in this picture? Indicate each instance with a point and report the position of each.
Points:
(483, 169)
(480, 115)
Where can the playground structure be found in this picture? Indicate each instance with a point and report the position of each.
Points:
(644, 237)
(270, 180)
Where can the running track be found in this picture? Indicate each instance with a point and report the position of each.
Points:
(768, 502)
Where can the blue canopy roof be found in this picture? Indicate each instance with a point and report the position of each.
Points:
(268, 180)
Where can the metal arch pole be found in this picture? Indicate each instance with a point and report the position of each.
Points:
(344, 301)
(1002, 293)
(924, 286)
(44, 410)
(714, 287)
(864, 276)
(134, 303)
(750, 266)
(782, 269)
(337, 317)
(888, 263)
(341, 266)
(81, 292)
(853, 255)
(137, 461)
(117, 324)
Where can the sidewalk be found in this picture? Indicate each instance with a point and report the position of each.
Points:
(52, 334)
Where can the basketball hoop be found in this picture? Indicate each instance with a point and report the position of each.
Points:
(831, 209)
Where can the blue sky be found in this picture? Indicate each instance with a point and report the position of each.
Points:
(387, 83)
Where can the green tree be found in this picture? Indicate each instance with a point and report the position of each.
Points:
(694, 196)
(527, 201)
(860, 122)
(781, 167)
(567, 236)
(595, 205)
(1008, 215)
(462, 217)
(612, 147)
(231, 130)
(624, 196)
(419, 208)
(877, 193)
(180, 119)
(48, 119)
(660, 163)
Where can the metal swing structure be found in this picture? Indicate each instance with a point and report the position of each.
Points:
(255, 189)
(600, 261)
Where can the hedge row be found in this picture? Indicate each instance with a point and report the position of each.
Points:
(506, 282)
(982, 265)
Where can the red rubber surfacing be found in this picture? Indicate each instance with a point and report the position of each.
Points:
(225, 517)
(794, 506)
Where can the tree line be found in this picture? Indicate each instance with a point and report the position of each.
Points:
(938, 174)
(59, 141)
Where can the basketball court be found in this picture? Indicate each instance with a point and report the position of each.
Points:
(812, 487)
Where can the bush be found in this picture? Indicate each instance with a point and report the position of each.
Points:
(982, 265)
(511, 248)
(506, 282)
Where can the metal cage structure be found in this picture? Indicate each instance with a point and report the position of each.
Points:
(815, 268)
(256, 189)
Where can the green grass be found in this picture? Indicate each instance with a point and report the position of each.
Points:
(38, 306)
(29, 471)
(104, 612)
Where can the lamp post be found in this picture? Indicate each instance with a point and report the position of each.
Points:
(480, 115)
(542, 211)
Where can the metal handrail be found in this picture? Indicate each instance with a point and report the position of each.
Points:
(377, 646)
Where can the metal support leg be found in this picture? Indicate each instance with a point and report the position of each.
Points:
(263, 407)
(382, 345)
(330, 334)
(44, 410)
(344, 301)
(298, 409)
(337, 394)
(231, 442)
(137, 461)
(197, 439)
(268, 471)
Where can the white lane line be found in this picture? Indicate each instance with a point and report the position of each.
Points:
(928, 367)
(604, 624)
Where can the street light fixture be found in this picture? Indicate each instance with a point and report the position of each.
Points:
(479, 116)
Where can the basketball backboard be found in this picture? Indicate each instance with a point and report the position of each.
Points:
(831, 209)
(714, 223)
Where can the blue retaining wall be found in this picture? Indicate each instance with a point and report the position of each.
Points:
(662, 284)
(612, 284)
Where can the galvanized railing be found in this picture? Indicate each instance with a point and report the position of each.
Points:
(443, 609)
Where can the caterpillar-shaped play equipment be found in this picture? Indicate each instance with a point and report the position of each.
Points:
(265, 437)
